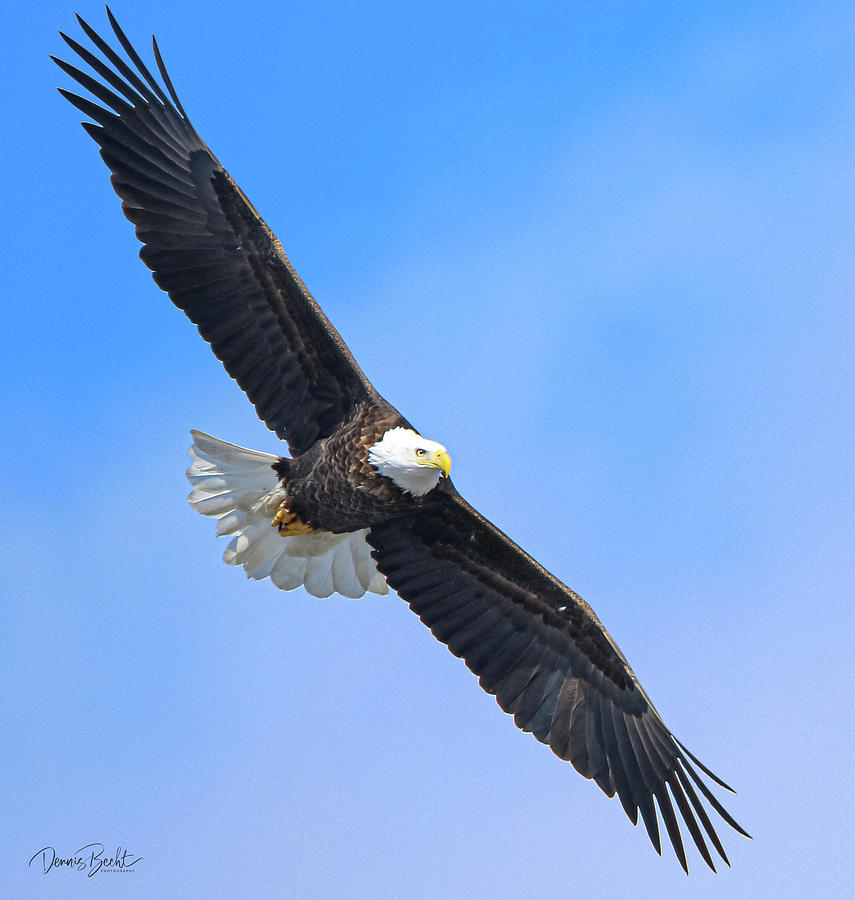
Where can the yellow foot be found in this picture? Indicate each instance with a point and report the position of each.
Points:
(288, 524)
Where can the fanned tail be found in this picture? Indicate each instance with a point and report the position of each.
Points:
(238, 487)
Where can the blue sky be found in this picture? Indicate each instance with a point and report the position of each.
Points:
(603, 252)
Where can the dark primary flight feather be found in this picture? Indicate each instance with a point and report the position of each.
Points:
(535, 644)
(212, 252)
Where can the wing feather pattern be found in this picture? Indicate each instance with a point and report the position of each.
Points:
(542, 651)
(534, 644)
(209, 249)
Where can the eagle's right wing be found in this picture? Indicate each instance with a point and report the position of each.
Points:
(212, 252)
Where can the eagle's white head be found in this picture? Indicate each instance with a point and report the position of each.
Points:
(413, 462)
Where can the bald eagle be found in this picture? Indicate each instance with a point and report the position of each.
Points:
(364, 502)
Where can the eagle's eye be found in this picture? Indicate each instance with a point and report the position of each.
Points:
(420, 451)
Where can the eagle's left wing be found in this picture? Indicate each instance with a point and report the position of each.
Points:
(543, 652)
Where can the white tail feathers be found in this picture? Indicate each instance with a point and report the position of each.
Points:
(239, 488)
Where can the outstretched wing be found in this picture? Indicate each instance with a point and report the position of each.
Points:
(534, 643)
(545, 655)
(212, 252)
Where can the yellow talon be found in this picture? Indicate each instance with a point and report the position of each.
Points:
(288, 523)
(280, 515)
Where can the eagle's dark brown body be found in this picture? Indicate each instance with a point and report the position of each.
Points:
(534, 643)
(333, 486)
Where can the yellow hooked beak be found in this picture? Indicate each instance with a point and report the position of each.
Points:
(439, 460)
